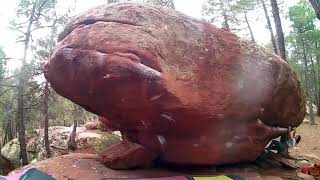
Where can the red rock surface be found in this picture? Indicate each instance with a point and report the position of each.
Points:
(87, 166)
(126, 155)
(184, 89)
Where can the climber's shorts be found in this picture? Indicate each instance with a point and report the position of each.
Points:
(278, 146)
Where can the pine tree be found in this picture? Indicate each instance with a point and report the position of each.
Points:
(316, 6)
(241, 8)
(29, 19)
(304, 33)
(280, 36)
(219, 11)
(3, 63)
(273, 40)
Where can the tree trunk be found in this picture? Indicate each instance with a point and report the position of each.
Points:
(281, 49)
(318, 77)
(46, 119)
(4, 140)
(20, 123)
(168, 3)
(21, 104)
(12, 124)
(249, 27)
(318, 107)
(72, 144)
(316, 6)
(280, 36)
(314, 93)
(7, 133)
(307, 83)
(273, 40)
(225, 17)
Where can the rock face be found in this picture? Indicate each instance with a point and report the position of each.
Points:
(95, 125)
(125, 155)
(182, 88)
(11, 152)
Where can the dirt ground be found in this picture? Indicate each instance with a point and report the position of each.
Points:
(310, 141)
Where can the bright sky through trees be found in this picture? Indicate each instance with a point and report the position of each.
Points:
(190, 7)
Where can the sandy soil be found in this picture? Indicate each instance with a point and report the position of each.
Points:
(310, 142)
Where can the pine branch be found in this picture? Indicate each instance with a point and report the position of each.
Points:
(21, 31)
(5, 91)
(5, 58)
(6, 85)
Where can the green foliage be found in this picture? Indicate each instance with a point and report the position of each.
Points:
(231, 14)
(302, 16)
(61, 110)
(7, 108)
(303, 45)
(215, 9)
(3, 89)
(3, 63)
(242, 6)
(303, 28)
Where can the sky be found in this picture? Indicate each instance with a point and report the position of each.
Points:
(190, 7)
(7, 40)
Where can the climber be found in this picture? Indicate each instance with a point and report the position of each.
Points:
(282, 146)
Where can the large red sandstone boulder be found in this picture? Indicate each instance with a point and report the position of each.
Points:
(184, 89)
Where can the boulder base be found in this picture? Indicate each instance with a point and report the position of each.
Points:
(126, 155)
(87, 166)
